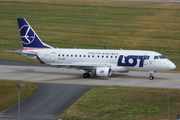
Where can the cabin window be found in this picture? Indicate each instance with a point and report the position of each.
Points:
(156, 57)
(93, 56)
(111, 56)
(67, 55)
(59, 55)
(84, 55)
(79, 55)
(75, 55)
(98, 56)
(71, 55)
(106, 56)
(115, 56)
(88, 55)
(162, 57)
(102, 56)
(63, 55)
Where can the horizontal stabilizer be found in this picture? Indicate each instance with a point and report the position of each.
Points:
(22, 52)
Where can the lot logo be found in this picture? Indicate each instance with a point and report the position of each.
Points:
(27, 34)
(102, 71)
(132, 60)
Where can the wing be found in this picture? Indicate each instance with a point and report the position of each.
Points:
(84, 66)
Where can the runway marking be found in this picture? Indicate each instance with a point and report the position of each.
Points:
(80, 75)
(68, 83)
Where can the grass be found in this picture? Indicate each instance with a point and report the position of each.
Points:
(9, 92)
(125, 103)
(92, 24)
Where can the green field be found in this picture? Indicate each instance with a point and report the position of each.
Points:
(125, 103)
(92, 24)
(9, 92)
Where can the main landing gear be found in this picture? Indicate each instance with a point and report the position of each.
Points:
(86, 75)
(151, 77)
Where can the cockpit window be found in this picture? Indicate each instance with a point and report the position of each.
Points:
(156, 57)
(162, 57)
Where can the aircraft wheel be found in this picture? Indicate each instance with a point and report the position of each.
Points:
(151, 77)
(86, 75)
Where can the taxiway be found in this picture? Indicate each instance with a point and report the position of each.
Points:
(46, 74)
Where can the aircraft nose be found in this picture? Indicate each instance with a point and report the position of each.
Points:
(171, 66)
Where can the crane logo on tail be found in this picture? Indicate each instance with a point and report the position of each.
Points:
(27, 34)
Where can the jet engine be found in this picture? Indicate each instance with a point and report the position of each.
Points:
(103, 71)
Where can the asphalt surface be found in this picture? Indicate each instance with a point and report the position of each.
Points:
(8, 62)
(59, 88)
(46, 74)
(48, 102)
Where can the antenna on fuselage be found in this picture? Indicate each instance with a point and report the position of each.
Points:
(105, 47)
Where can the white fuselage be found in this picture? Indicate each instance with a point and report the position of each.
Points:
(117, 60)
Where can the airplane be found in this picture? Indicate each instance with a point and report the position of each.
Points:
(99, 62)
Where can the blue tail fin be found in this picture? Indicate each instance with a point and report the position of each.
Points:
(30, 39)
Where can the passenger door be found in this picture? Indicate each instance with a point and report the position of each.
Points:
(53, 56)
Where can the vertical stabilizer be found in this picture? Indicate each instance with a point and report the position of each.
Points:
(30, 39)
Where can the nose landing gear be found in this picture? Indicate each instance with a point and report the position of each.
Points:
(151, 77)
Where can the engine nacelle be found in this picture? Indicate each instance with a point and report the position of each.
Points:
(103, 71)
